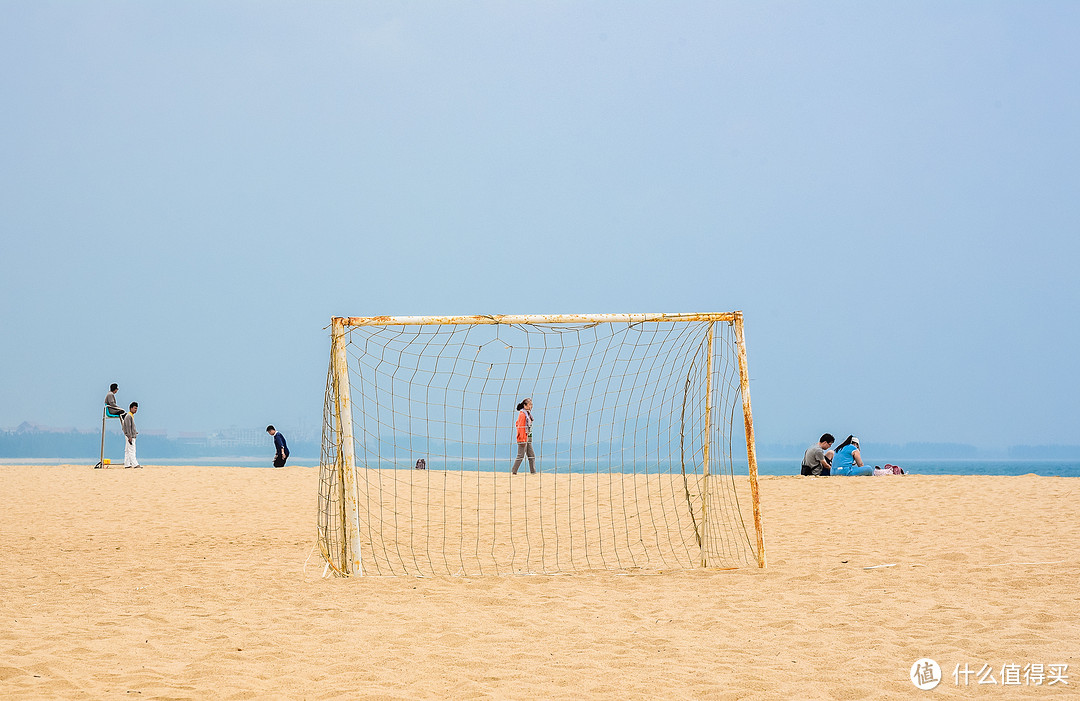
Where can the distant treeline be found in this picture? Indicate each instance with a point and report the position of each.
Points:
(1044, 452)
(74, 444)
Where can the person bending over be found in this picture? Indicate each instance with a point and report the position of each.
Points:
(848, 459)
(281, 448)
(816, 461)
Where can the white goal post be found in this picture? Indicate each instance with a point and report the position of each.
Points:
(434, 463)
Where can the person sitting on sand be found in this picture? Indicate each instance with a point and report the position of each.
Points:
(817, 460)
(848, 460)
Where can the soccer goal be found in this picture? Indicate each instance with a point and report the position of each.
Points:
(634, 427)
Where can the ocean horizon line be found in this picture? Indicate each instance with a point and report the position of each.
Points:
(770, 466)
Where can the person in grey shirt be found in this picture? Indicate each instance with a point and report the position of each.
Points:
(110, 401)
(130, 433)
(815, 460)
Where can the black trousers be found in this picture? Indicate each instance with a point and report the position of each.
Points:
(279, 460)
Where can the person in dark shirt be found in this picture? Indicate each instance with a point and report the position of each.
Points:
(281, 448)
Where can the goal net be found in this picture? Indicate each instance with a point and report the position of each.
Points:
(634, 427)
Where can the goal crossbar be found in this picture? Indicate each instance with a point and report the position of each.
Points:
(534, 319)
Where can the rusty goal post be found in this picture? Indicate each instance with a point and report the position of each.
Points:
(538, 444)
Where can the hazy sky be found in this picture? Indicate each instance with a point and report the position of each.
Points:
(889, 191)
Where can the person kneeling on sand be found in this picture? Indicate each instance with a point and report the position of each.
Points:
(848, 459)
(817, 460)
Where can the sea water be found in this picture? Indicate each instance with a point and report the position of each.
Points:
(766, 466)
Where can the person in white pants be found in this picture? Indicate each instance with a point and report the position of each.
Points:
(130, 433)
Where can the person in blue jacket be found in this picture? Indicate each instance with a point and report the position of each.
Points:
(848, 460)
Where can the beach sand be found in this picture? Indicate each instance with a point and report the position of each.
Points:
(201, 582)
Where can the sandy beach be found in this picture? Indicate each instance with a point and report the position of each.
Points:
(203, 582)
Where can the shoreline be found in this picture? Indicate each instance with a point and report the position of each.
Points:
(767, 467)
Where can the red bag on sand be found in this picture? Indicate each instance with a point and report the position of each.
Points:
(889, 470)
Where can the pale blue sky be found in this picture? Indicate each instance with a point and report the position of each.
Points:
(189, 191)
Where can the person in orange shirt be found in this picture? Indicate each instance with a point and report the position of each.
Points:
(524, 436)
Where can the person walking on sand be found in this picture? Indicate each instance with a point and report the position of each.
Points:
(110, 402)
(524, 436)
(130, 433)
(281, 448)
